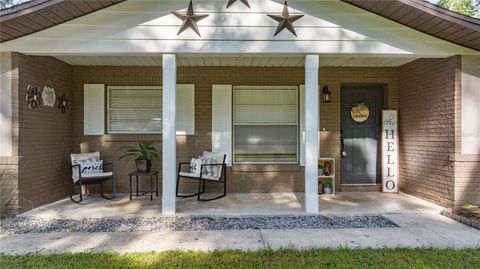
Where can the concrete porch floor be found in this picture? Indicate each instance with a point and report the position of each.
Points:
(344, 203)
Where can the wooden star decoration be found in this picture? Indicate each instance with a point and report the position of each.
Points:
(189, 19)
(245, 2)
(285, 20)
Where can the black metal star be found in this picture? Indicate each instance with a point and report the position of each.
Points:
(285, 20)
(189, 19)
(230, 2)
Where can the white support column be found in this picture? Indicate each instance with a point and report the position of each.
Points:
(169, 143)
(6, 104)
(312, 146)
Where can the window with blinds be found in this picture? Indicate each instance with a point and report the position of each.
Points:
(134, 109)
(265, 124)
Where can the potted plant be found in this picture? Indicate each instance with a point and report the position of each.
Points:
(328, 188)
(144, 155)
(320, 170)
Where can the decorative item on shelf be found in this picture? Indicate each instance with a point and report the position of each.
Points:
(48, 94)
(327, 168)
(144, 155)
(285, 20)
(328, 188)
(327, 94)
(326, 176)
(63, 103)
(245, 2)
(33, 97)
(189, 19)
(360, 112)
(320, 170)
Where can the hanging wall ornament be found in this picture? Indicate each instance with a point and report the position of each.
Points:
(360, 112)
(189, 19)
(62, 103)
(33, 97)
(48, 94)
(245, 2)
(285, 20)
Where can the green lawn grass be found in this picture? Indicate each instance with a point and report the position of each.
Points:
(286, 258)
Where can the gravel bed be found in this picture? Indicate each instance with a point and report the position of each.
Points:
(24, 225)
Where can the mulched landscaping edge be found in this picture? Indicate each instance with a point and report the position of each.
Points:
(467, 221)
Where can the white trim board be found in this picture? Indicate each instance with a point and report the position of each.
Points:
(94, 109)
(222, 120)
(245, 60)
(6, 104)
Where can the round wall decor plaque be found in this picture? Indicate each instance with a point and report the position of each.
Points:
(360, 112)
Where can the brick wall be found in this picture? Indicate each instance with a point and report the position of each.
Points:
(242, 178)
(9, 186)
(44, 139)
(428, 99)
(467, 179)
(427, 129)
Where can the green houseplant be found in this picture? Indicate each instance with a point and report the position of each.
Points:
(328, 188)
(320, 170)
(144, 155)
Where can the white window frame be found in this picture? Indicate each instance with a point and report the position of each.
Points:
(134, 88)
(287, 87)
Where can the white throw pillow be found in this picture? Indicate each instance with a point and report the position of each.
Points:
(216, 158)
(208, 169)
(82, 161)
(95, 156)
(91, 168)
(195, 166)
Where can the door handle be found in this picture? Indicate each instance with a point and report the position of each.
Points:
(343, 153)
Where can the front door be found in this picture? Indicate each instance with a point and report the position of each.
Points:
(360, 123)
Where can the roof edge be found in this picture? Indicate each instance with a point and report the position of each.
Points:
(25, 8)
(437, 10)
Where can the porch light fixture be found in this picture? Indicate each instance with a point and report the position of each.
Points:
(326, 94)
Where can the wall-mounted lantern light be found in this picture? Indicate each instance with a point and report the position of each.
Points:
(326, 94)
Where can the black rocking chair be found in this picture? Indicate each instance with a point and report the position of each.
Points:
(92, 179)
(203, 178)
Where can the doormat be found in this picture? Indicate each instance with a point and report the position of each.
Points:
(25, 225)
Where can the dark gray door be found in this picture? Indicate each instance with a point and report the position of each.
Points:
(361, 144)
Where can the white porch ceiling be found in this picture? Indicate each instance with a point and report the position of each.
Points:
(240, 61)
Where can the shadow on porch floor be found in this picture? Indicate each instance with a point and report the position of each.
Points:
(350, 203)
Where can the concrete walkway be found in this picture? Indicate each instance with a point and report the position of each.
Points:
(416, 230)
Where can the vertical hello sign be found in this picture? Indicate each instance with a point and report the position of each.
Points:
(390, 151)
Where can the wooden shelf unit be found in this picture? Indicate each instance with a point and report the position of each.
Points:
(327, 178)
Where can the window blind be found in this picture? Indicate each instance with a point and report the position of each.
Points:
(135, 109)
(265, 124)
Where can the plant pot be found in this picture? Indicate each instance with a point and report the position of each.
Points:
(328, 188)
(143, 165)
(327, 191)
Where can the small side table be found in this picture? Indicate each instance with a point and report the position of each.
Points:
(144, 174)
